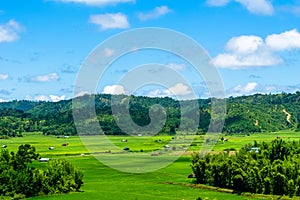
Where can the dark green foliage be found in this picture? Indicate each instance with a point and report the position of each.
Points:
(16, 176)
(18, 179)
(61, 176)
(262, 112)
(246, 114)
(275, 169)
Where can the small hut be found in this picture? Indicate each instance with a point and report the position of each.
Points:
(254, 149)
(44, 159)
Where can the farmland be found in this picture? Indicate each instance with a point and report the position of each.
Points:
(103, 182)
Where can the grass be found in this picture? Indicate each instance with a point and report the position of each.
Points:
(103, 182)
(237, 141)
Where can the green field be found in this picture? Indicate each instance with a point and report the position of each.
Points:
(103, 182)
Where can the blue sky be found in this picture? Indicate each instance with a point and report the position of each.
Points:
(255, 44)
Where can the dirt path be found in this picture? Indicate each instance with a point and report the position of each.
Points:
(288, 115)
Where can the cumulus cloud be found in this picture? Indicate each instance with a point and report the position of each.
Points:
(3, 76)
(237, 61)
(179, 90)
(45, 78)
(284, 41)
(82, 93)
(2, 100)
(262, 7)
(247, 89)
(55, 98)
(50, 97)
(9, 32)
(98, 2)
(244, 44)
(254, 88)
(155, 13)
(114, 89)
(110, 21)
(252, 51)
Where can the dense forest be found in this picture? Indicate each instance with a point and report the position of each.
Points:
(268, 168)
(245, 114)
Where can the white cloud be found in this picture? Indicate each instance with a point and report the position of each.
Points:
(254, 88)
(98, 2)
(247, 89)
(156, 13)
(262, 7)
(237, 61)
(177, 66)
(55, 98)
(157, 93)
(40, 98)
(9, 31)
(110, 21)
(179, 90)
(284, 41)
(3, 76)
(50, 97)
(2, 100)
(114, 89)
(82, 93)
(252, 51)
(45, 78)
(244, 44)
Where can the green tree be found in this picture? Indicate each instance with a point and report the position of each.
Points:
(61, 176)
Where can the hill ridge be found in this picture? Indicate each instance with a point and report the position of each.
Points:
(245, 114)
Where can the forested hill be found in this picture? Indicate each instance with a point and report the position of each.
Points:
(245, 114)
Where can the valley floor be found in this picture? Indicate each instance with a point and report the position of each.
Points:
(103, 182)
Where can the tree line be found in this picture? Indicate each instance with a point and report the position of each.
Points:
(245, 114)
(272, 169)
(18, 179)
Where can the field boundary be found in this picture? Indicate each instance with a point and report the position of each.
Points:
(230, 191)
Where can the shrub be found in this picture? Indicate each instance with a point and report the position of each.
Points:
(61, 177)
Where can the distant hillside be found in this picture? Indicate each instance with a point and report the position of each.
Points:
(245, 114)
(259, 113)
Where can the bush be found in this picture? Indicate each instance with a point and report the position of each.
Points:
(61, 177)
